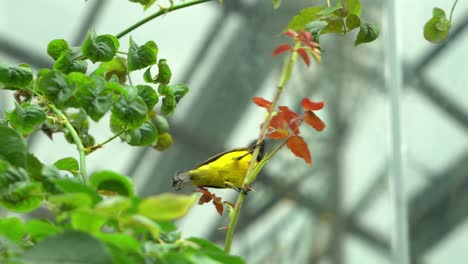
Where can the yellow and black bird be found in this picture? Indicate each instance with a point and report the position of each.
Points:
(224, 170)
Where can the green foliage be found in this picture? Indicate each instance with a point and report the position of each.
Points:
(109, 182)
(320, 20)
(14, 78)
(25, 117)
(140, 57)
(100, 48)
(166, 207)
(437, 28)
(12, 146)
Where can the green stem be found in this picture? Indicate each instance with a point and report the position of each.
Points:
(100, 145)
(252, 172)
(77, 140)
(453, 8)
(157, 14)
(328, 3)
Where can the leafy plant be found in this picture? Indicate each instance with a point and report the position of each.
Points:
(100, 218)
(437, 28)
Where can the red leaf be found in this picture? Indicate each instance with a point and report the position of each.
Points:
(293, 119)
(314, 121)
(281, 48)
(305, 37)
(262, 102)
(304, 55)
(299, 147)
(278, 121)
(204, 199)
(290, 33)
(307, 104)
(218, 205)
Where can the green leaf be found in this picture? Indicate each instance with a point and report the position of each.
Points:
(214, 252)
(335, 25)
(54, 86)
(168, 104)
(145, 135)
(354, 7)
(67, 164)
(100, 48)
(165, 74)
(437, 28)
(12, 228)
(73, 186)
(34, 167)
(142, 224)
(15, 77)
(166, 206)
(148, 94)
(179, 90)
(112, 182)
(26, 117)
(146, 3)
(140, 57)
(438, 12)
(87, 220)
(130, 111)
(94, 98)
(66, 64)
(276, 3)
(161, 123)
(123, 241)
(12, 146)
(117, 66)
(113, 206)
(69, 247)
(352, 22)
(315, 27)
(367, 33)
(56, 47)
(71, 201)
(305, 16)
(38, 229)
(21, 197)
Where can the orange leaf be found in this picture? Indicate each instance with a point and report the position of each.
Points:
(218, 205)
(281, 48)
(304, 55)
(278, 121)
(293, 119)
(204, 199)
(314, 121)
(262, 102)
(307, 104)
(299, 147)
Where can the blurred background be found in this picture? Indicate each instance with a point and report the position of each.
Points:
(340, 211)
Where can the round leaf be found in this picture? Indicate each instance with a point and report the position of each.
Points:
(142, 136)
(67, 164)
(166, 206)
(164, 75)
(168, 104)
(112, 182)
(100, 48)
(15, 77)
(66, 64)
(26, 117)
(94, 98)
(140, 57)
(56, 47)
(12, 228)
(367, 33)
(130, 111)
(179, 90)
(148, 94)
(38, 229)
(113, 206)
(21, 196)
(54, 86)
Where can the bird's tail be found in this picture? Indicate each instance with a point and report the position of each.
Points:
(179, 179)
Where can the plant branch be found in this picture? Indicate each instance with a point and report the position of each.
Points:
(100, 145)
(161, 12)
(345, 5)
(254, 169)
(328, 3)
(77, 140)
(453, 9)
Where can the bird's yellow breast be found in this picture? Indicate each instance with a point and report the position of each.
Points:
(226, 171)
